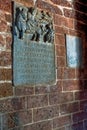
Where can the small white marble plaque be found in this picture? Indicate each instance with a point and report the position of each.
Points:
(74, 51)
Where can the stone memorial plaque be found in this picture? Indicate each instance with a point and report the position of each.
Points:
(33, 47)
(74, 51)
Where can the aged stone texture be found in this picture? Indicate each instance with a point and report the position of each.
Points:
(33, 47)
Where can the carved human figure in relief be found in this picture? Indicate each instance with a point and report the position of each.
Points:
(36, 24)
(49, 37)
(21, 22)
(31, 24)
(46, 17)
(41, 32)
(45, 31)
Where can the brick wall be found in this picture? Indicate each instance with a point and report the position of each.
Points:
(59, 107)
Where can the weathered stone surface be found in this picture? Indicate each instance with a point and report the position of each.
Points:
(34, 51)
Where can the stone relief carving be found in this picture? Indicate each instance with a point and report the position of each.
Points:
(20, 22)
(37, 24)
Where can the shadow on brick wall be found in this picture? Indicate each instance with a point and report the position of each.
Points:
(80, 118)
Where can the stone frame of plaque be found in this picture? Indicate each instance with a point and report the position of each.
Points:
(74, 51)
(33, 47)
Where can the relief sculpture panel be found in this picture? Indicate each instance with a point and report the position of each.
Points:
(33, 47)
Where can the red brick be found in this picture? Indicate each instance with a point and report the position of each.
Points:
(49, 7)
(2, 15)
(80, 7)
(9, 41)
(57, 98)
(37, 101)
(27, 2)
(61, 121)
(9, 28)
(69, 23)
(80, 116)
(57, 87)
(75, 33)
(60, 50)
(3, 26)
(18, 103)
(12, 104)
(69, 73)
(60, 39)
(80, 73)
(69, 13)
(45, 113)
(57, 19)
(81, 2)
(78, 126)
(6, 90)
(2, 41)
(71, 85)
(8, 18)
(11, 122)
(85, 73)
(84, 84)
(69, 108)
(5, 74)
(81, 17)
(24, 90)
(5, 58)
(64, 22)
(42, 89)
(5, 5)
(62, 3)
(68, 127)
(45, 125)
(61, 30)
(85, 62)
(85, 124)
(62, 128)
(16, 118)
(60, 73)
(61, 61)
(81, 95)
(49, 89)
(80, 11)
(83, 105)
(80, 26)
(25, 117)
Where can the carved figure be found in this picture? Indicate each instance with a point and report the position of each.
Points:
(34, 13)
(31, 25)
(46, 16)
(21, 22)
(36, 24)
(49, 37)
(38, 16)
(41, 33)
